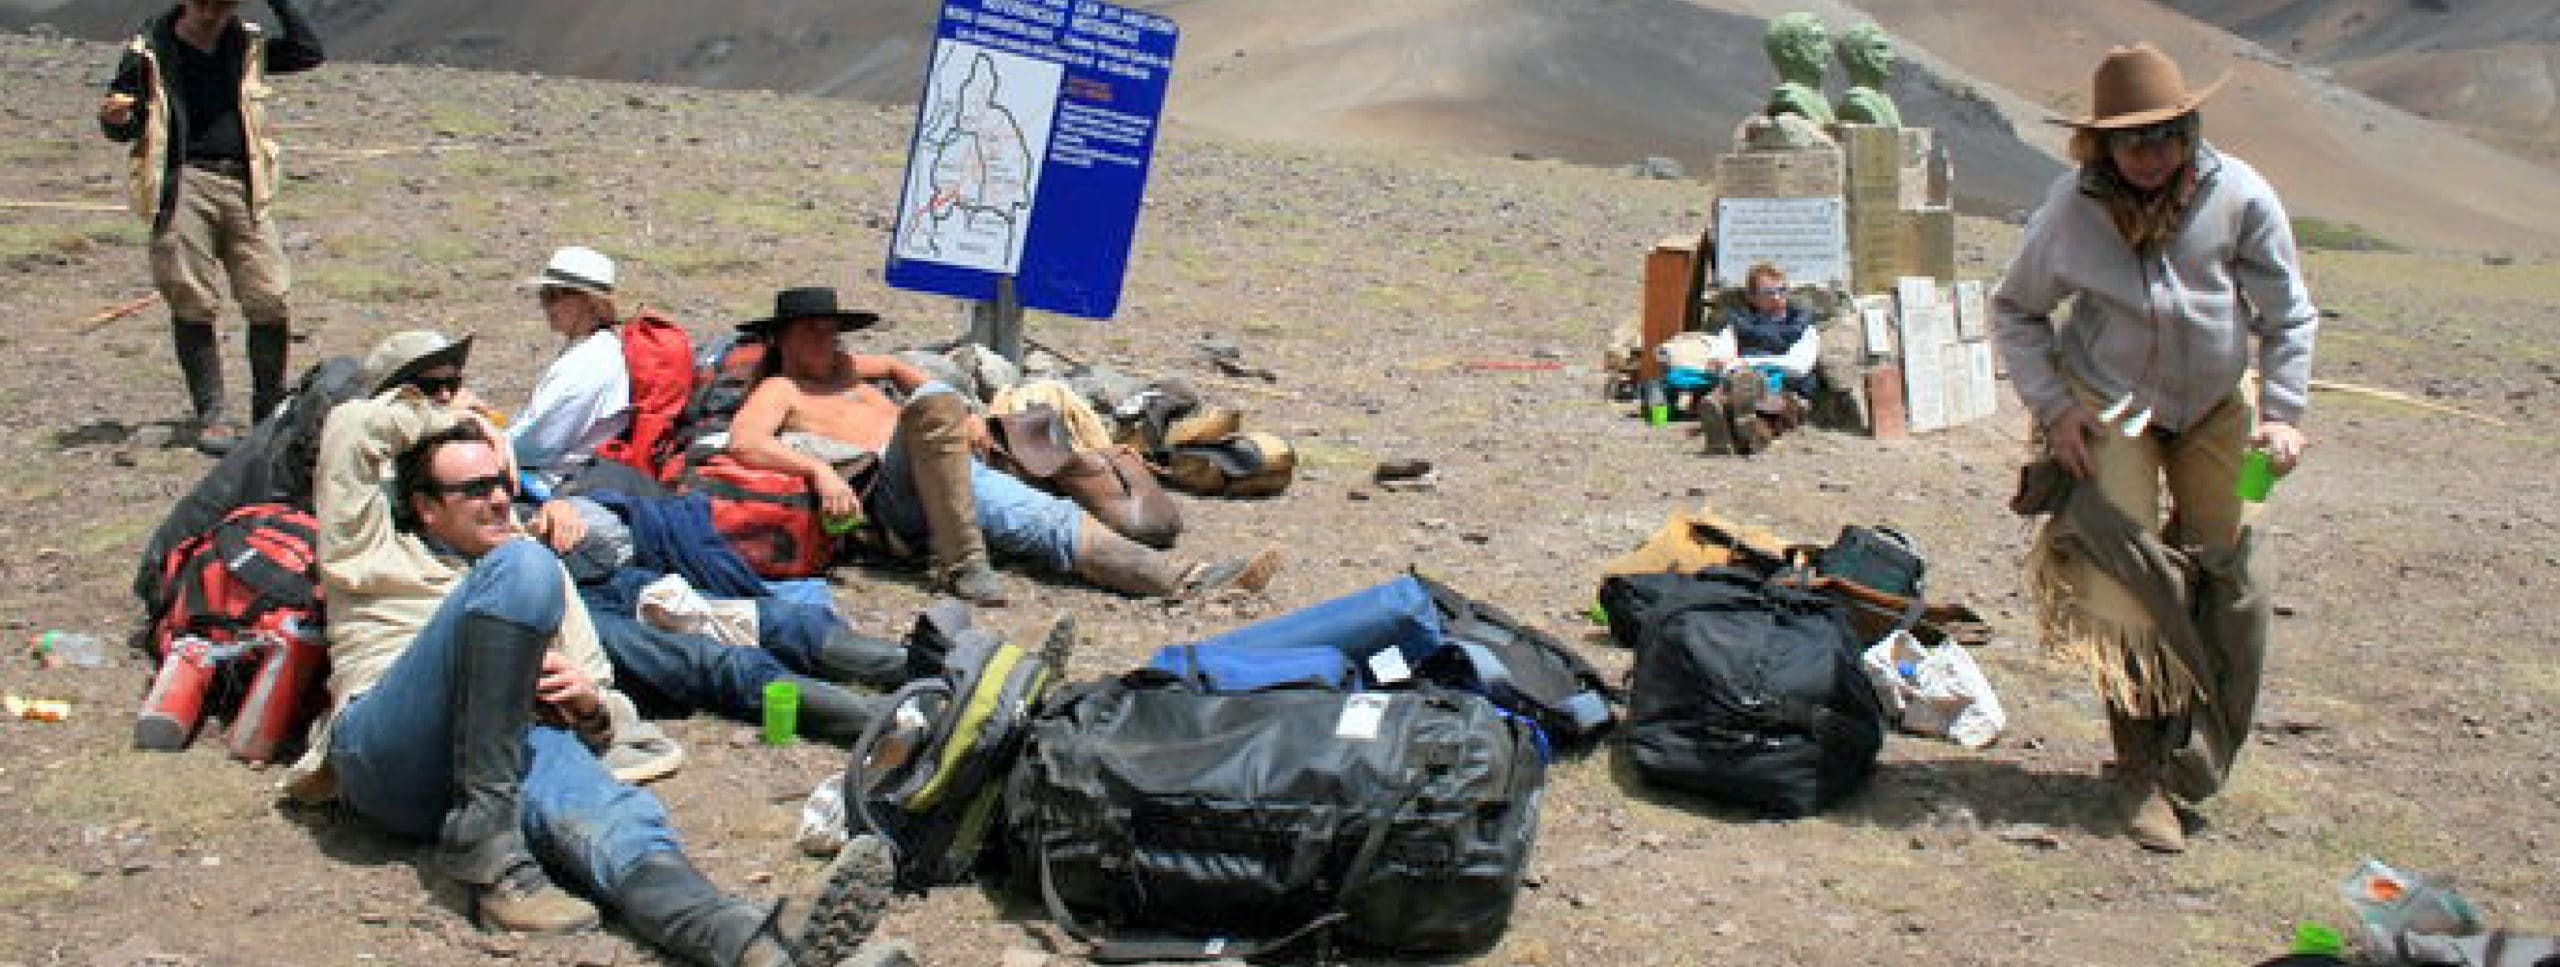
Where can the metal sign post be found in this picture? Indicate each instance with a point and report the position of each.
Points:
(997, 323)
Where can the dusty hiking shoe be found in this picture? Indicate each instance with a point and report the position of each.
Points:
(1248, 573)
(831, 920)
(643, 753)
(216, 438)
(526, 901)
(973, 582)
(2151, 820)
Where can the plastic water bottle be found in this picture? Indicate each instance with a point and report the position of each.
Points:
(2391, 902)
(77, 649)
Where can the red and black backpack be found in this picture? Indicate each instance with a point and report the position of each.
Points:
(658, 354)
(259, 566)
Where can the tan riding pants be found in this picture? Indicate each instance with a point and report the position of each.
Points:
(212, 235)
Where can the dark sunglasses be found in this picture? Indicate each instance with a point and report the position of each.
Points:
(437, 385)
(476, 488)
(1766, 290)
(2147, 134)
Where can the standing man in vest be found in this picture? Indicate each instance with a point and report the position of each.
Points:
(190, 97)
(584, 397)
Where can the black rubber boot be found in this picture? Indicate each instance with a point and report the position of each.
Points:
(482, 843)
(199, 351)
(851, 656)
(670, 904)
(269, 348)
(837, 715)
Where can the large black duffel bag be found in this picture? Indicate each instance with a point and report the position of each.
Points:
(1746, 690)
(1400, 821)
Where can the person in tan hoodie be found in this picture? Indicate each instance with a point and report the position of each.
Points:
(468, 695)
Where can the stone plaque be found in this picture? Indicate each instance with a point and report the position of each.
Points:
(1804, 236)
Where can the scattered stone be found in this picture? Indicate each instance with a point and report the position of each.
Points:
(2035, 835)
(887, 952)
(1424, 484)
(1475, 537)
(1355, 495)
(1023, 958)
(760, 877)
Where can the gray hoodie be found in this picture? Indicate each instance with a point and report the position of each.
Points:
(2173, 329)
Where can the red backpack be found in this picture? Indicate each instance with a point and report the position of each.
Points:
(769, 517)
(245, 576)
(659, 355)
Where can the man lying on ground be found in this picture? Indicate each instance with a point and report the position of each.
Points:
(814, 405)
(467, 705)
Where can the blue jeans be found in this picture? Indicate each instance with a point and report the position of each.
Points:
(660, 667)
(392, 747)
(1017, 519)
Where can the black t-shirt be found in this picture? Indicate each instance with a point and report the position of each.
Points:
(208, 89)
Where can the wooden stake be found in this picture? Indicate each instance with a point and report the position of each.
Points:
(2396, 396)
(115, 312)
(66, 206)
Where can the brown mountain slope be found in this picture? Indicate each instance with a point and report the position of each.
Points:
(1595, 81)
(2490, 66)
(1591, 81)
(2332, 151)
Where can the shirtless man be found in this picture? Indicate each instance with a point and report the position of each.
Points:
(816, 405)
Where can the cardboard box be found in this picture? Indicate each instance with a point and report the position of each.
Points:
(1668, 271)
(1885, 413)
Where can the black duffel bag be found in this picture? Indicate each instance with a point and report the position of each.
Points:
(1747, 689)
(1190, 825)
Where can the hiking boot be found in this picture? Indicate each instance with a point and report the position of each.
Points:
(269, 348)
(216, 438)
(1246, 573)
(526, 901)
(2151, 820)
(1714, 424)
(642, 753)
(972, 581)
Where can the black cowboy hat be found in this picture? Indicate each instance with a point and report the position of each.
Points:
(810, 302)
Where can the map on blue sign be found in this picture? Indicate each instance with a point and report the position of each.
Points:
(1033, 135)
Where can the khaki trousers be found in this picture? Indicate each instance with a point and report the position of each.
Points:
(212, 235)
(2200, 467)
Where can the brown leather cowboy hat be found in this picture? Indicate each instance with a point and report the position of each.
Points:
(810, 302)
(2136, 86)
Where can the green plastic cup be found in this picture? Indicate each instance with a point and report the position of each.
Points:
(842, 525)
(2313, 938)
(2257, 477)
(781, 711)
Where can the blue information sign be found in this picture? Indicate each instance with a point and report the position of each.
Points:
(1030, 155)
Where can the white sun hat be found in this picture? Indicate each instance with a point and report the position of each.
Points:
(575, 267)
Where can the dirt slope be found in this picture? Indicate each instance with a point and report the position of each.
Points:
(2331, 151)
(2487, 66)
(2409, 715)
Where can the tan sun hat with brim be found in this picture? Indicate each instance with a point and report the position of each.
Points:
(2137, 86)
(409, 352)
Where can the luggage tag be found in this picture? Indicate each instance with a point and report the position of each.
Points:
(1387, 667)
(1362, 714)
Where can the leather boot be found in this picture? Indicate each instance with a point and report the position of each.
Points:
(1112, 561)
(669, 903)
(199, 351)
(2150, 819)
(269, 345)
(837, 715)
(851, 656)
(934, 431)
(482, 843)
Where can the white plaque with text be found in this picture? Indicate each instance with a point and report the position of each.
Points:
(1808, 237)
